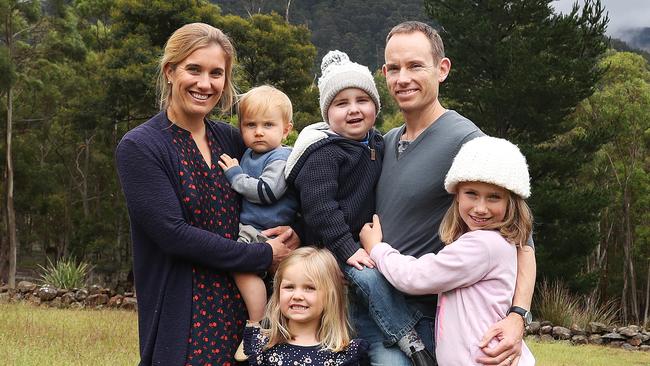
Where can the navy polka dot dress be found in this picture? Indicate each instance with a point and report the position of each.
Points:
(218, 312)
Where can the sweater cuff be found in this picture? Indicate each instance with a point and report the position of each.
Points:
(232, 172)
(345, 250)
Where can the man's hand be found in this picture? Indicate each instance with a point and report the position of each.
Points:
(371, 234)
(509, 332)
(227, 162)
(292, 242)
(360, 259)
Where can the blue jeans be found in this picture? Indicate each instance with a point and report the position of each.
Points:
(379, 354)
(387, 308)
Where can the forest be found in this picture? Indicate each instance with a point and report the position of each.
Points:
(75, 75)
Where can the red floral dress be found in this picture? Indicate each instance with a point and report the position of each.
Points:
(218, 312)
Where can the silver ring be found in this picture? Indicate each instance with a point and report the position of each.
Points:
(509, 358)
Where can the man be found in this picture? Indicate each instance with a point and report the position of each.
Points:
(411, 199)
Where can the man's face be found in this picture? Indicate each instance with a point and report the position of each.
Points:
(412, 75)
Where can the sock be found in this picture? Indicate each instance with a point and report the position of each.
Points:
(411, 343)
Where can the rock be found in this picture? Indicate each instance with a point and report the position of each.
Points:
(635, 341)
(534, 327)
(47, 293)
(76, 305)
(67, 299)
(115, 301)
(546, 338)
(56, 303)
(546, 329)
(596, 328)
(577, 330)
(94, 290)
(128, 294)
(546, 322)
(81, 294)
(25, 286)
(613, 337)
(4, 288)
(644, 348)
(561, 333)
(579, 339)
(629, 331)
(628, 347)
(129, 303)
(96, 300)
(595, 339)
(616, 344)
(62, 292)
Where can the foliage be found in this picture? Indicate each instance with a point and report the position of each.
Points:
(555, 303)
(65, 274)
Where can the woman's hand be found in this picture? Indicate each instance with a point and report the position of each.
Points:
(280, 249)
(360, 259)
(371, 234)
(293, 242)
(227, 162)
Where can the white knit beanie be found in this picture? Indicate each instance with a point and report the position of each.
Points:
(339, 73)
(490, 160)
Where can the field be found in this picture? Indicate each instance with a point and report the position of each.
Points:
(31, 336)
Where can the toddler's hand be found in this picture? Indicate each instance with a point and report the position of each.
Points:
(371, 234)
(227, 162)
(359, 259)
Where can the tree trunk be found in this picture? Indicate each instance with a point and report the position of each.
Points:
(286, 14)
(10, 214)
(628, 249)
(647, 293)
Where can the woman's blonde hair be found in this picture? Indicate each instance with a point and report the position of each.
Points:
(516, 226)
(181, 44)
(320, 266)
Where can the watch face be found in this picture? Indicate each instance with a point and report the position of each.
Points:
(528, 317)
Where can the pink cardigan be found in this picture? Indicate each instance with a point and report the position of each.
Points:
(475, 278)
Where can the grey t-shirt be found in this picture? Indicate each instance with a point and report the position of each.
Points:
(411, 197)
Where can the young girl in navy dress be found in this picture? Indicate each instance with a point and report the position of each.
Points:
(475, 273)
(308, 316)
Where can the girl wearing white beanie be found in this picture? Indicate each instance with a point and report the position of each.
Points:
(475, 273)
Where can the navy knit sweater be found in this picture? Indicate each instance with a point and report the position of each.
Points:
(335, 178)
(165, 246)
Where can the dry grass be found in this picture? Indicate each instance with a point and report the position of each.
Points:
(563, 354)
(32, 335)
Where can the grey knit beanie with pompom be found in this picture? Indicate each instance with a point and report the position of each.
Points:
(339, 73)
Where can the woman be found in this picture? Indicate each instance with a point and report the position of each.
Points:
(184, 214)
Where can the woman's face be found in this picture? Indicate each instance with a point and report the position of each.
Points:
(197, 83)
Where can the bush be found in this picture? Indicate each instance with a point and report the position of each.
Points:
(66, 273)
(554, 302)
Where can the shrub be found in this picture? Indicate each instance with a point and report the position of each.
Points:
(555, 303)
(66, 273)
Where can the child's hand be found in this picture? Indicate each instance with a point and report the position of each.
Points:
(359, 259)
(227, 162)
(371, 234)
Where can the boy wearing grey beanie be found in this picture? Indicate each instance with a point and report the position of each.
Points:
(334, 167)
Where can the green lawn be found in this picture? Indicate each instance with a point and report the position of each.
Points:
(40, 336)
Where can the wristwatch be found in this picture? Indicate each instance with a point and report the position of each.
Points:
(528, 317)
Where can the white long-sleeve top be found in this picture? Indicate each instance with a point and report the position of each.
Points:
(475, 278)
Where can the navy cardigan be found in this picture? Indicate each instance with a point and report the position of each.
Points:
(165, 246)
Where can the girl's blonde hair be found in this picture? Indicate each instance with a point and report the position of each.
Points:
(320, 266)
(181, 44)
(516, 226)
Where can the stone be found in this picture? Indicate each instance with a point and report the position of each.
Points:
(546, 329)
(629, 331)
(616, 344)
(596, 328)
(94, 290)
(61, 292)
(579, 339)
(67, 298)
(47, 293)
(81, 294)
(595, 339)
(628, 347)
(546, 338)
(115, 301)
(128, 294)
(4, 288)
(545, 323)
(25, 286)
(613, 337)
(635, 341)
(561, 333)
(96, 300)
(129, 303)
(644, 348)
(534, 327)
(577, 330)
(76, 305)
(56, 303)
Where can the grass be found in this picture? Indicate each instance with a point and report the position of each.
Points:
(31, 336)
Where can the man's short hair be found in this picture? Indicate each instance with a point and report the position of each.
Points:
(432, 35)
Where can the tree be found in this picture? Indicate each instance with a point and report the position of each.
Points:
(19, 24)
(518, 71)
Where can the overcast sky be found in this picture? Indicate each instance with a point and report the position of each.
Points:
(623, 14)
